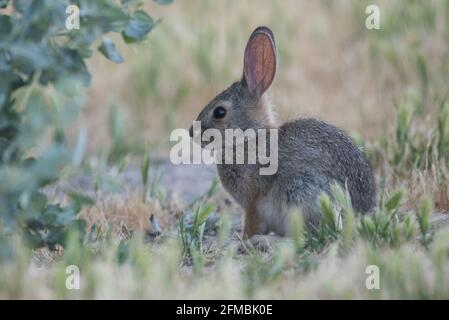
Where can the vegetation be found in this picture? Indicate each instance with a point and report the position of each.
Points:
(83, 182)
(43, 66)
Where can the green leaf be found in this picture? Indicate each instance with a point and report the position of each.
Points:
(163, 2)
(394, 200)
(37, 51)
(4, 3)
(202, 214)
(328, 212)
(116, 124)
(66, 216)
(5, 25)
(138, 27)
(297, 229)
(144, 169)
(81, 199)
(109, 50)
(80, 148)
(423, 213)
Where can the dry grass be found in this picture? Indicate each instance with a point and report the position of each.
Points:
(421, 183)
(331, 67)
(125, 214)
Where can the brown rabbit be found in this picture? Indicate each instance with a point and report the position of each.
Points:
(312, 155)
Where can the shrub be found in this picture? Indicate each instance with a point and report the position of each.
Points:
(42, 75)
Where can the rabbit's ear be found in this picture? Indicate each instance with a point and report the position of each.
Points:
(260, 61)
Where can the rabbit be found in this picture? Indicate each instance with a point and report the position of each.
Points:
(312, 154)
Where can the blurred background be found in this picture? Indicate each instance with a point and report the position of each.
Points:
(330, 65)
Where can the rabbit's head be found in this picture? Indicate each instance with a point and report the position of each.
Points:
(244, 104)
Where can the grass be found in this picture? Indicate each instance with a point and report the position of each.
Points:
(329, 263)
(386, 88)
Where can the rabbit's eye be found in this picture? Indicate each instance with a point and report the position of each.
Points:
(219, 112)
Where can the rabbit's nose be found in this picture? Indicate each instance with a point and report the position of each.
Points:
(191, 131)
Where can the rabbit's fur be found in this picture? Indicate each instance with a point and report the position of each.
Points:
(312, 154)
